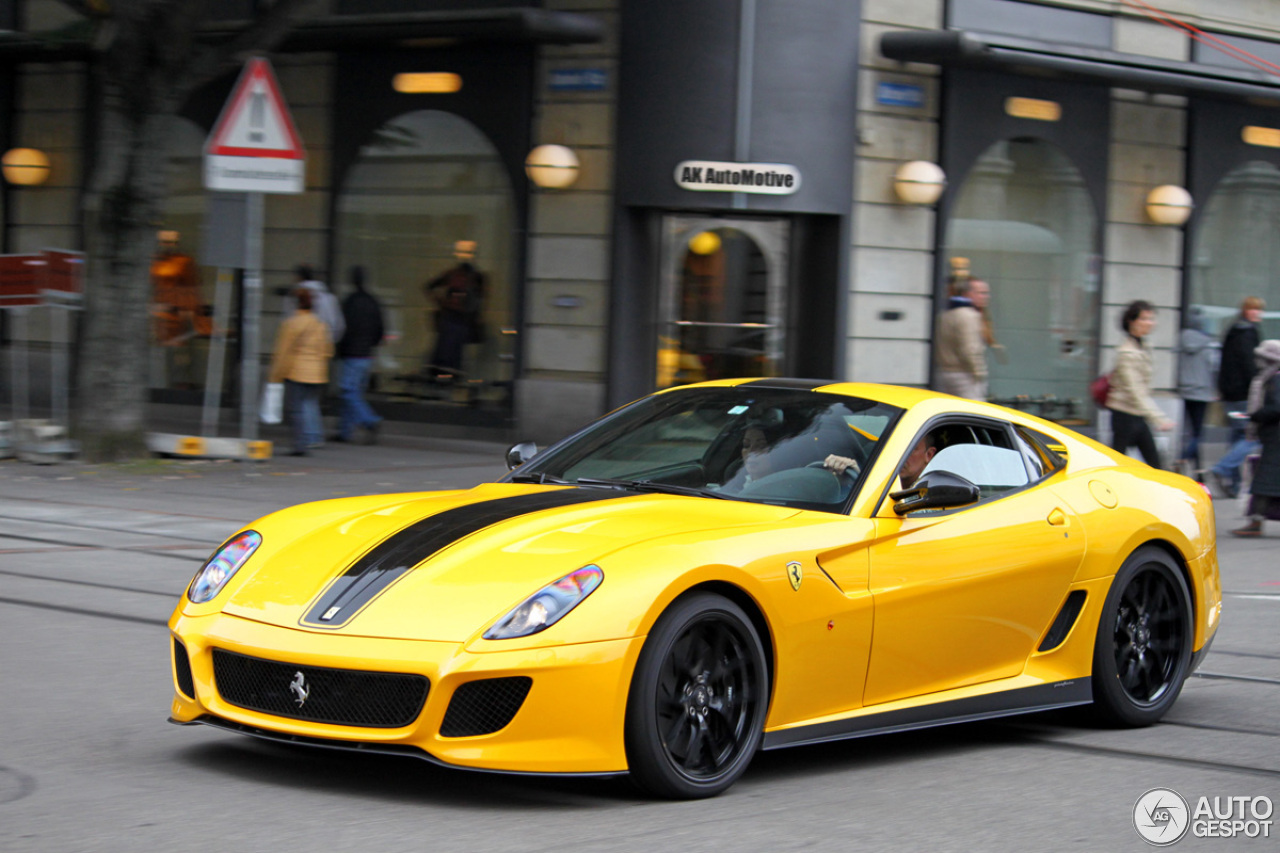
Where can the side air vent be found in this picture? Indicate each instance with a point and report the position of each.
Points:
(182, 670)
(484, 707)
(1066, 618)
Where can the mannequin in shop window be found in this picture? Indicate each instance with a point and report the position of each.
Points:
(964, 335)
(457, 295)
(178, 313)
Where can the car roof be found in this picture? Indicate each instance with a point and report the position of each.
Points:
(903, 396)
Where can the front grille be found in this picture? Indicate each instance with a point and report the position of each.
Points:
(343, 697)
(182, 670)
(484, 707)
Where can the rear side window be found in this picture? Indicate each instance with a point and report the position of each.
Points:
(1045, 455)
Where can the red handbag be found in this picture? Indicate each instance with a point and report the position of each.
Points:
(1100, 389)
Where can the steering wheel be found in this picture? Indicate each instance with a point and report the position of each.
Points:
(852, 471)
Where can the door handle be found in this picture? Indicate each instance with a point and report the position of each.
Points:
(1057, 518)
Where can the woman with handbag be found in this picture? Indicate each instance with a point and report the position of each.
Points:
(1133, 411)
(300, 360)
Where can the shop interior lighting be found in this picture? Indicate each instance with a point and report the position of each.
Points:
(1033, 108)
(433, 82)
(1265, 137)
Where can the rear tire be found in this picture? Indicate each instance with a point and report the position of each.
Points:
(696, 709)
(1142, 653)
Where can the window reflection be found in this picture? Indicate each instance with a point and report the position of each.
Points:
(722, 302)
(427, 190)
(1236, 251)
(1027, 224)
(182, 291)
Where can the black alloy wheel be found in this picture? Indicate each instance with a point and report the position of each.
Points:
(695, 713)
(1143, 649)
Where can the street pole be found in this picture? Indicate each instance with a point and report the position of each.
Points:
(252, 310)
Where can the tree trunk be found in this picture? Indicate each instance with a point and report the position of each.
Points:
(123, 209)
(148, 63)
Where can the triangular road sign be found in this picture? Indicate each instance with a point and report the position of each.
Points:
(255, 121)
(254, 146)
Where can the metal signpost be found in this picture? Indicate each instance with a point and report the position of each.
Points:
(254, 149)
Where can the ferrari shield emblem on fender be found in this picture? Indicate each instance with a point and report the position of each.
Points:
(795, 574)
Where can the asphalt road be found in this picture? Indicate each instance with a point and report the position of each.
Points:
(93, 559)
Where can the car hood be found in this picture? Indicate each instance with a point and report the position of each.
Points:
(446, 566)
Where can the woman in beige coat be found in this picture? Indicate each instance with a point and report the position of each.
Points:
(960, 344)
(301, 361)
(1133, 411)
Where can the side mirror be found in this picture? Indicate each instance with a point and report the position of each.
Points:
(936, 490)
(520, 453)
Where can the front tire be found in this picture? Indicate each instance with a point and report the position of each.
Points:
(696, 709)
(1142, 653)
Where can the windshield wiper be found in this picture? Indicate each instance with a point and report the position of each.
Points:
(651, 486)
(540, 479)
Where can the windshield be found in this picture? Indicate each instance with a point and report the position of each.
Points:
(769, 445)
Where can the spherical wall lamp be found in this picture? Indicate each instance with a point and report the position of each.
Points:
(919, 182)
(552, 166)
(25, 167)
(1169, 205)
(704, 243)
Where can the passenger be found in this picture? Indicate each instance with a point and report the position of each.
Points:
(917, 459)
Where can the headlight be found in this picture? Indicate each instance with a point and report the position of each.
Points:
(546, 606)
(215, 573)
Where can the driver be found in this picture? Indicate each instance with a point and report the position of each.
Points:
(757, 441)
(758, 461)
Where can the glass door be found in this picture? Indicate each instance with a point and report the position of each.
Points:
(723, 298)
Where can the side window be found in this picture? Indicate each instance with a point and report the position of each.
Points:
(981, 454)
(1042, 452)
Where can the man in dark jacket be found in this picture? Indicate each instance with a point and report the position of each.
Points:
(1234, 375)
(363, 333)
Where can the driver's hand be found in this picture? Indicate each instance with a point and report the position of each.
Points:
(840, 464)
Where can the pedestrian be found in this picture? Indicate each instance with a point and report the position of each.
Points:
(323, 303)
(1263, 407)
(457, 294)
(961, 344)
(300, 359)
(1234, 376)
(1197, 385)
(364, 331)
(1133, 411)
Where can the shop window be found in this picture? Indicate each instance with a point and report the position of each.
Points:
(1025, 221)
(722, 301)
(1236, 248)
(427, 195)
(182, 290)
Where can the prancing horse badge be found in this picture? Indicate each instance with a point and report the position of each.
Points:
(795, 574)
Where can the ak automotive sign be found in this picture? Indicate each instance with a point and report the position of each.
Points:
(765, 178)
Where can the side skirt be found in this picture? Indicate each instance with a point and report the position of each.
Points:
(1025, 700)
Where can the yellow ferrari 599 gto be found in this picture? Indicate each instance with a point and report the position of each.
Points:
(712, 570)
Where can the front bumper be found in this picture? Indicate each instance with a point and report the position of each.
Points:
(571, 720)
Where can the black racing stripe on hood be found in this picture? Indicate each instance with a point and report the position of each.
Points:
(400, 552)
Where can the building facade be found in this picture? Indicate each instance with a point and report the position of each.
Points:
(738, 208)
